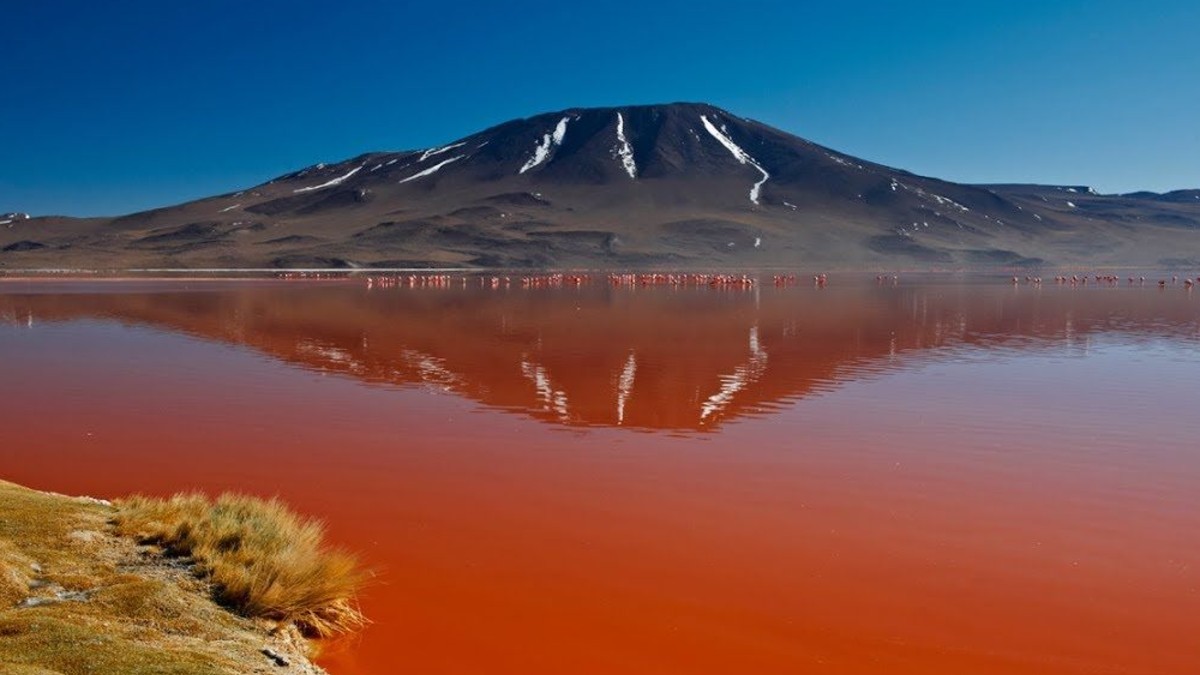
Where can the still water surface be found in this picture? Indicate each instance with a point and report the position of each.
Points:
(944, 476)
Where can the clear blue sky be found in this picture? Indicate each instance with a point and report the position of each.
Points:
(111, 107)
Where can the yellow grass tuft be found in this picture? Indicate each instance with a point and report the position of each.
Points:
(263, 560)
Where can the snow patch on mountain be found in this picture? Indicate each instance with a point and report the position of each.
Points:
(942, 201)
(624, 150)
(437, 151)
(741, 155)
(845, 162)
(928, 196)
(336, 181)
(550, 141)
(433, 169)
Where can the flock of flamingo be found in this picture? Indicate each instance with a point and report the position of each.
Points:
(559, 280)
(1107, 279)
(695, 280)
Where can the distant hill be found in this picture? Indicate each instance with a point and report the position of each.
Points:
(681, 185)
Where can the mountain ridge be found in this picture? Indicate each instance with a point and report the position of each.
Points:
(672, 185)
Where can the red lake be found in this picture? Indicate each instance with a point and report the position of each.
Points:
(947, 475)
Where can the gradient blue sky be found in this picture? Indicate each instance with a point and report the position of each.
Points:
(112, 107)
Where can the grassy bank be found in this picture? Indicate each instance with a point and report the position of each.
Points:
(181, 586)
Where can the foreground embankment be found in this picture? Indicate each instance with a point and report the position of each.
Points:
(182, 585)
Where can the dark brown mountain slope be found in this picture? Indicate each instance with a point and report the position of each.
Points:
(680, 185)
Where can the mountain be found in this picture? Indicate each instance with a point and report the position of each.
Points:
(678, 185)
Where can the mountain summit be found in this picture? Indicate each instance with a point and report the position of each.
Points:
(677, 185)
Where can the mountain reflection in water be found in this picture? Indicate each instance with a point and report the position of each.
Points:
(643, 358)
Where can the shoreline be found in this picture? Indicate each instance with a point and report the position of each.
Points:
(77, 597)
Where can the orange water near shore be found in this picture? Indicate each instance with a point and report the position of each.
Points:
(932, 478)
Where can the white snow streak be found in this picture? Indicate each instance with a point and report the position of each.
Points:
(437, 151)
(625, 150)
(757, 242)
(940, 200)
(230, 208)
(550, 141)
(430, 369)
(625, 386)
(433, 169)
(1071, 204)
(742, 377)
(738, 154)
(845, 162)
(336, 181)
(330, 353)
(552, 399)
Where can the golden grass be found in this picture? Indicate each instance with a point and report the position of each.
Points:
(263, 560)
(14, 581)
(44, 643)
(91, 615)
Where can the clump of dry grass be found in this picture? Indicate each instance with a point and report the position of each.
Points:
(77, 600)
(263, 560)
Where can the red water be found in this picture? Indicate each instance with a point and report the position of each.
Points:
(933, 478)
